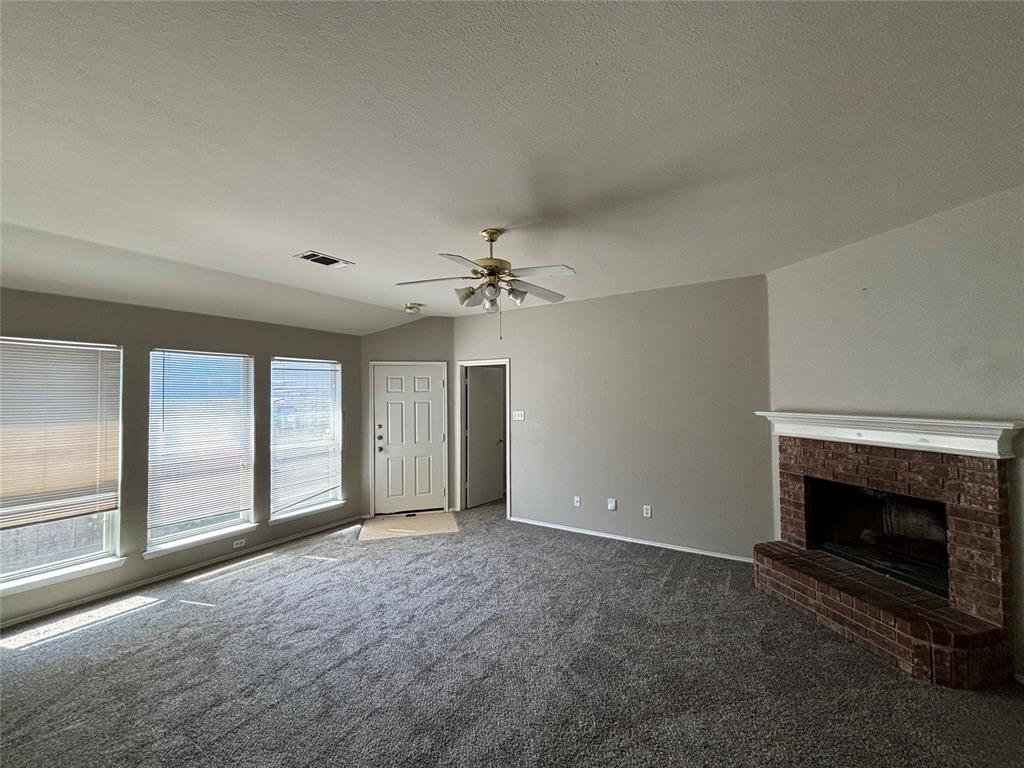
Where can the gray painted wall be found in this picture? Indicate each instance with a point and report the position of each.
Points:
(647, 398)
(138, 330)
(925, 320)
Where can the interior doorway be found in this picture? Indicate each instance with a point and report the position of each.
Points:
(484, 450)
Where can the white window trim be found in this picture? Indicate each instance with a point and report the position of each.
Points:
(313, 510)
(175, 545)
(105, 562)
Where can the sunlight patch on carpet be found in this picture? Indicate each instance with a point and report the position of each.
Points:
(397, 526)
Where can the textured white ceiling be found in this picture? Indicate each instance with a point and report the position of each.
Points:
(645, 144)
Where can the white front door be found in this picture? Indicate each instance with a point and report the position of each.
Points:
(485, 434)
(408, 437)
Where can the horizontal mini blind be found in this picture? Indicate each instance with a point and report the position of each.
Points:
(305, 441)
(200, 441)
(60, 430)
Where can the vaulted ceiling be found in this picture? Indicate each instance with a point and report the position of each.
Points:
(645, 144)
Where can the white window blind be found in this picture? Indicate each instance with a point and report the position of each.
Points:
(60, 431)
(200, 442)
(305, 440)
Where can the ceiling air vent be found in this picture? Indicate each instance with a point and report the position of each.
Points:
(323, 259)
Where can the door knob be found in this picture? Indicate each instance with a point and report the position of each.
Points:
(380, 448)
(380, 437)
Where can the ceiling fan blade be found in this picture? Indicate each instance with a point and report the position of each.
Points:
(538, 291)
(462, 261)
(550, 269)
(434, 280)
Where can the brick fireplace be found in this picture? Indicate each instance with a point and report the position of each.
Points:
(937, 608)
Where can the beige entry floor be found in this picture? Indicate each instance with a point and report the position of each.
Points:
(396, 526)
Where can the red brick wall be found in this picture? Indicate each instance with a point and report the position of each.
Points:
(974, 490)
(904, 625)
(961, 642)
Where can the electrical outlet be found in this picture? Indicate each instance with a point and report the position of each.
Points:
(577, 501)
(648, 510)
(518, 415)
(237, 543)
(612, 505)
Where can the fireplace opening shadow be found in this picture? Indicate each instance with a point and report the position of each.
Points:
(901, 536)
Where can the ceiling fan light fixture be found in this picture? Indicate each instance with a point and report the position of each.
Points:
(490, 305)
(465, 295)
(517, 296)
(490, 291)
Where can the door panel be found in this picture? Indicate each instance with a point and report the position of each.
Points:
(395, 423)
(396, 477)
(422, 409)
(424, 475)
(485, 434)
(408, 437)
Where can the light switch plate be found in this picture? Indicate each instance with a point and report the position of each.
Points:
(518, 415)
(577, 501)
(612, 505)
(648, 510)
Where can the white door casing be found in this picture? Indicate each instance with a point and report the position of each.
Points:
(484, 434)
(408, 435)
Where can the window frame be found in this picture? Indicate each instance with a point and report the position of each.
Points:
(201, 534)
(111, 548)
(320, 506)
(111, 517)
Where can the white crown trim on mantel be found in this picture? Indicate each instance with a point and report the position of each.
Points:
(988, 439)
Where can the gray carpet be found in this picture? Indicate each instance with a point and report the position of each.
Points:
(502, 645)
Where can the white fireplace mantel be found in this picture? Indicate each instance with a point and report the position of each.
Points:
(988, 439)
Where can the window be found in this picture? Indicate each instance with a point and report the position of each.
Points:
(200, 443)
(60, 454)
(305, 434)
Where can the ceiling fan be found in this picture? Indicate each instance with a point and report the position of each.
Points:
(495, 276)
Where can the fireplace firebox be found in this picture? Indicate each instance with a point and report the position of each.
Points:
(898, 535)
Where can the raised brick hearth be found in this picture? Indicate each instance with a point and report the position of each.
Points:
(961, 642)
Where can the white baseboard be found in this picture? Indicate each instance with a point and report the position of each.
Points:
(177, 572)
(603, 535)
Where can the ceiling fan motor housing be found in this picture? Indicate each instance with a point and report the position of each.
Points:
(493, 266)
